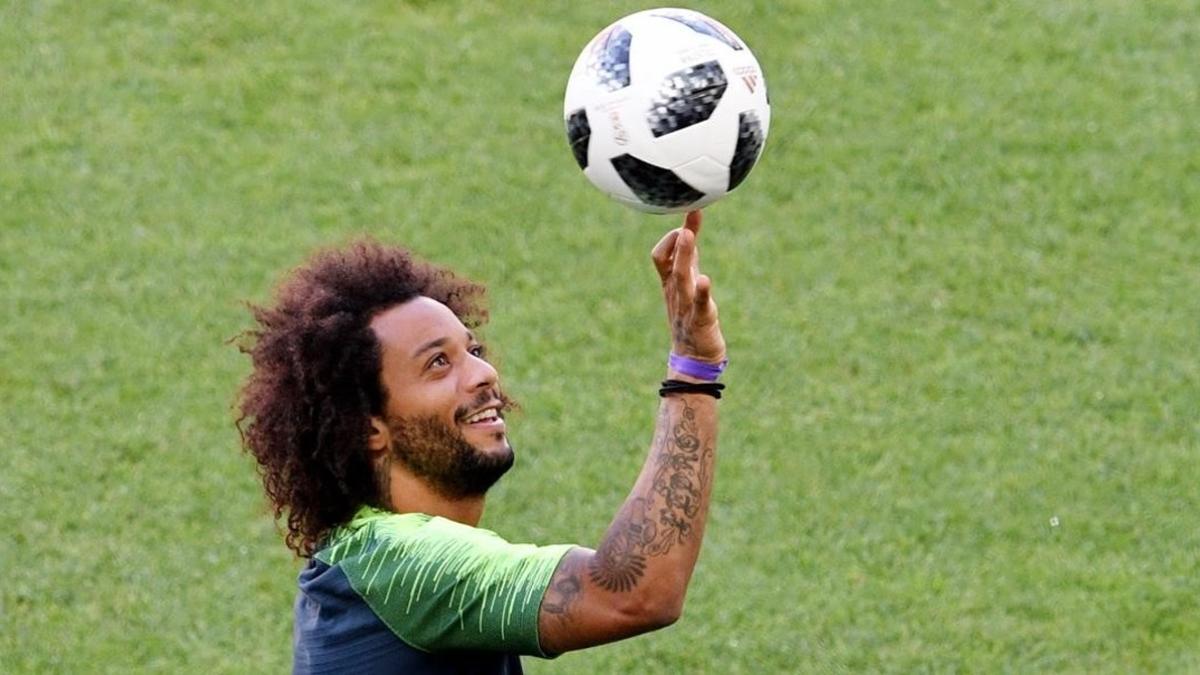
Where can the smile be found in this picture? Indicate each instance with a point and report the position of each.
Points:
(488, 419)
(483, 416)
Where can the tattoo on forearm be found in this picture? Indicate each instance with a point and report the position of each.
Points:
(651, 526)
(565, 587)
(683, 335)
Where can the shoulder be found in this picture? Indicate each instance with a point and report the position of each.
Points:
(375, 533)
(439, 584)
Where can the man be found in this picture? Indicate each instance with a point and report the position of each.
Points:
(378, 427)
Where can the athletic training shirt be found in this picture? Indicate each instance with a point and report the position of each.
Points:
(392, 593)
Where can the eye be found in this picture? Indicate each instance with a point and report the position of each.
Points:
(479, 351)
(438, 361)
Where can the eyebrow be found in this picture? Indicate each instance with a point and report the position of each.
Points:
(439, 342)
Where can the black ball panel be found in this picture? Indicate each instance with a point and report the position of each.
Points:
(749, 144)
(654, 185)
(686, 97)
(579, 132)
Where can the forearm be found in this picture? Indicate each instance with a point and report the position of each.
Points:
(652, 544)
(636, 579)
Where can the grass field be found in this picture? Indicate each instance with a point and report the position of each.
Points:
(961, 292)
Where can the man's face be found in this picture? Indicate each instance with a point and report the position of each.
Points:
(444, 409)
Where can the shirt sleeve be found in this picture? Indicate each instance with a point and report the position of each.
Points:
(441, 585)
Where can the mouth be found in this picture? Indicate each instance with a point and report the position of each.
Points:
(487, 418)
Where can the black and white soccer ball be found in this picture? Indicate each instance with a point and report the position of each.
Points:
(666, 110)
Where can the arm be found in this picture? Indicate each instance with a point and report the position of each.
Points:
(636, 579)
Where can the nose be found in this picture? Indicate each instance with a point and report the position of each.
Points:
(480, 374)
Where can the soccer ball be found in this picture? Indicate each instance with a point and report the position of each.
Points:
(666, 110)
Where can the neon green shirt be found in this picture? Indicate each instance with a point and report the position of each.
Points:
(439, 585)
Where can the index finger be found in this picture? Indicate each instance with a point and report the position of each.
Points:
(684, 266)
(692, 222)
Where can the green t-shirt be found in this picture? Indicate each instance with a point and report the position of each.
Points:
(439, 585)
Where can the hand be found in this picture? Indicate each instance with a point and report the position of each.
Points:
(691, 311)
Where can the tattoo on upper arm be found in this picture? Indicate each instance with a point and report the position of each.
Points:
(565, 586)
(652, 526)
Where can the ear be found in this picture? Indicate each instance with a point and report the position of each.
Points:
(380, 438)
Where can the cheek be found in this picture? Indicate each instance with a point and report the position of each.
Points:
(426, 399)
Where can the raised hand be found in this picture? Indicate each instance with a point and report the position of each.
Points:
(636, 578)
(691, 310)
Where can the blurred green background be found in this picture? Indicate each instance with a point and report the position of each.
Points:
(961, 292)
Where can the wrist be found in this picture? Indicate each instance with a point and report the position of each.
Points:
(677, 387)
(690, 369)
(673, 374)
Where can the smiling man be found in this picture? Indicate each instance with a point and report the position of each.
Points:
(378, 426)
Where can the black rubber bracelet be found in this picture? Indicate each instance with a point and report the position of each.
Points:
(712, 389)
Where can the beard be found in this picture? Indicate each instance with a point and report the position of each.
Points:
(442, 456)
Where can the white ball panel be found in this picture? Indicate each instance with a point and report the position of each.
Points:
(670, 46)
(604, 176)
(641, 143)
(705, 174)
(617, 131)
(715, 138)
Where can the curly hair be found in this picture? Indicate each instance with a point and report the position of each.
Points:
(305, 409)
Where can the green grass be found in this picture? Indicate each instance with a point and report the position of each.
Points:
(961, 292)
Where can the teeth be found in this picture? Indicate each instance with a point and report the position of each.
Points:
(488, 414)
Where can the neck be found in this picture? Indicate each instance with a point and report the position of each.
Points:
(411, 494)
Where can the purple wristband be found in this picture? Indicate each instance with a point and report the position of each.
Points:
(697, 369)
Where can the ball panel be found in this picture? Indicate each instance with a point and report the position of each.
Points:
(705, 174)
(638, 205)
(654, 185)
(701, 24)
(686, 97)
(749, 145)
(579, 133)
(617, 130)
(609, 64)
(600, 173)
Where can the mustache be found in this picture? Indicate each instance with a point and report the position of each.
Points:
(487, 395)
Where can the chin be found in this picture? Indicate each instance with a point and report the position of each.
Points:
(498, 447)
(493, 443)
